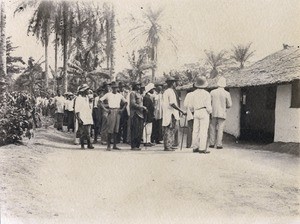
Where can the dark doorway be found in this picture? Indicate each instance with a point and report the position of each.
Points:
(258, 113)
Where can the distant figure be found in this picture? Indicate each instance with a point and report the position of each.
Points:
(221, 101)
(59, 102)
(201, 105)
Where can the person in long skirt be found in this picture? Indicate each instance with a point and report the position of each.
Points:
(170, 114)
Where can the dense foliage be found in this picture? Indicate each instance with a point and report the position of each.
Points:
(16, 117)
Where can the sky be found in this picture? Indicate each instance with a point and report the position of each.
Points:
(196, 25)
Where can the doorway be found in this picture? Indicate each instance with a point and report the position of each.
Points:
(258, 113)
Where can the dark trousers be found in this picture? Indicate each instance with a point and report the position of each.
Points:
(104, 125)
(136, 127)
(97, 122)
(60, 121)
(189, 133)
(85, 132)
(157, 134)
(123, 127)
(70, 116)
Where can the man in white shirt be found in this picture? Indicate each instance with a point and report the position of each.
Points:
(157, 135)
(69, 106)
(114, 100)
(84, 116)
(201, 105)
(189, 117)
(170, 114)
(59, 102)
(221, 101)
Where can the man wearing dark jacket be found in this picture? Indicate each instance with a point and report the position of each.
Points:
(148, 102)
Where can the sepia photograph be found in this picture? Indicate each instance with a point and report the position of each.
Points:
(149, 112)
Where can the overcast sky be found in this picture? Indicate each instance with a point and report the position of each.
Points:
(196, 24)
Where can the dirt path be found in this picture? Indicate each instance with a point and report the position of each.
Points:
(49, 180)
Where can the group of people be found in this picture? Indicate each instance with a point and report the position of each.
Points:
(206, 114)
(148, 114)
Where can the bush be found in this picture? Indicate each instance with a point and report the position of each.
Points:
(16, 117)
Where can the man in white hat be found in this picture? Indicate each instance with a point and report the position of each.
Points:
(200, 103)
(59, 102)
(149, 114)
(83, 113)
(221, 101)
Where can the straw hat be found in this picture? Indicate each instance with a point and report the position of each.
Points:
(83, 88)
(221, 82)
(149, 87)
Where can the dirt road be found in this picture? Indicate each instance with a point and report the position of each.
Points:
(49, 180)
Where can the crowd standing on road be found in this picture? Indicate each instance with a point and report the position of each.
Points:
(140, 114)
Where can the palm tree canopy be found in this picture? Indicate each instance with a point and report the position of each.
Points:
(241, 53)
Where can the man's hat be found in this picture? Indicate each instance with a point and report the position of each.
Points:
(149, 87)
(201, 82)
(113, 84)
(133, 84)
(221, 82)
(121, 84)
(83, 88)
(171, 79)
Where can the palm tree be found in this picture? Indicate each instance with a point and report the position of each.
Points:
(241, 53)
(40, 25)
(154, 33)
(215, 61)
(141, 64)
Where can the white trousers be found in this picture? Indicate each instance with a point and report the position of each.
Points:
(216, 128)
(200, 129)
(147, 133)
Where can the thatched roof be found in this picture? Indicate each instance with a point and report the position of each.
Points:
(281, 67)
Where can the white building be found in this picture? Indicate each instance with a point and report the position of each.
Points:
(266, 98)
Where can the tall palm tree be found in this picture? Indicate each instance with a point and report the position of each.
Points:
(241, 53)
(151, 27)
(40, 25)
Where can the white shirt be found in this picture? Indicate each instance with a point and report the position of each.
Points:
(59, 102)
(187, 105)
(82, 106)
(158, 110)
(200, 100)
(114, 100)
(69, 105)
(169, 98)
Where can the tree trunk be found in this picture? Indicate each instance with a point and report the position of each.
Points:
(107, 44)
(153, 75)
(46, 63)
(55, 62)
(3, 71)
(241, 65)
(65, 47)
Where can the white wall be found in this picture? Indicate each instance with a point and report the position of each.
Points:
(232, 125)
(287, 120)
